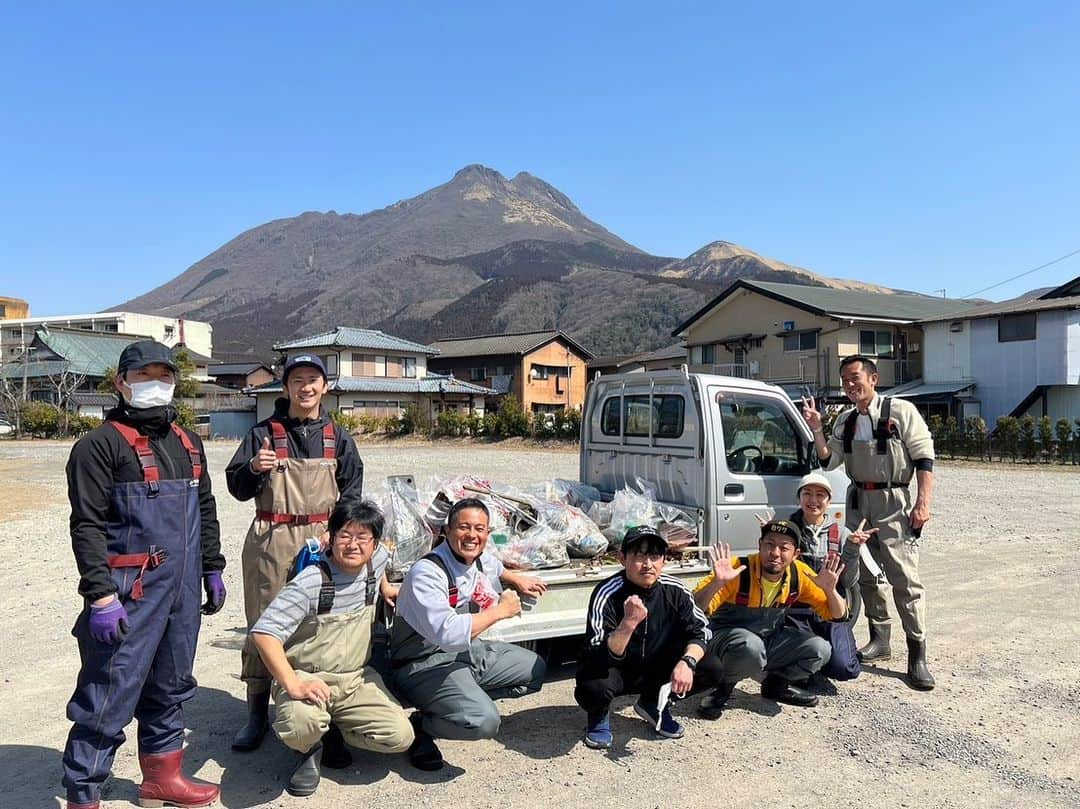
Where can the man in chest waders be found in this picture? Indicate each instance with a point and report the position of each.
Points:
(144, 530)
(884, 444)
(295, 465)
(316, 638)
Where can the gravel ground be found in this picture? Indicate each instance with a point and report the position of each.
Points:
(1000, 564)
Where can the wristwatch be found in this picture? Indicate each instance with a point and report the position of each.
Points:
(690, 662)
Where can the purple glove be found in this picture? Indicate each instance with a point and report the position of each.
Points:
(108, 624)
(215, 592)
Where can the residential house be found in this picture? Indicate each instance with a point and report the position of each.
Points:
(660, 359)
(544, 370)
(1013, 358)
(239, 375)
(795, 336)
(59, 362)
(376, 374)
(18, 333)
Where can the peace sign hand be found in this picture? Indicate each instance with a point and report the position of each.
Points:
(720, 556)
(811, 413)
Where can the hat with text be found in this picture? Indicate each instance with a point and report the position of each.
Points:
(145, 352)
(784, 528)
(643, 536)
(302, 360)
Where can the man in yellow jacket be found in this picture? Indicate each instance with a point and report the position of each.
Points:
(747, 601)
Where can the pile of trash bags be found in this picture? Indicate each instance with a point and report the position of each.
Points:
(543, 526)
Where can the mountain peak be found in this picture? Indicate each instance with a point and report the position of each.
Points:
(477, 172)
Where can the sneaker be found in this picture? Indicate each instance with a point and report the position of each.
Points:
(598, 731)
(668, 727)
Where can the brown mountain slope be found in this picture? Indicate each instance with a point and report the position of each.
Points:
(723, 263)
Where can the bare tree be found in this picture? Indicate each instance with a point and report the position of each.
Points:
(64, 382)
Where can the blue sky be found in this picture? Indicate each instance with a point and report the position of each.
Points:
(917, 146)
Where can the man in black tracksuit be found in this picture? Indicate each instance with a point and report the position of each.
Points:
(643, 630)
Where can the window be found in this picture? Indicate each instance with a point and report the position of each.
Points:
(708, 355)
(1016, 327)
(380, 365)
(759, 438)
(540, 371)
(956, 326)
(801, 341)
(17, 333)
(666, 416)
(875, 343)
(477, 374)
(330, 361)
(111, 327)
(169, 332)
(408, 365)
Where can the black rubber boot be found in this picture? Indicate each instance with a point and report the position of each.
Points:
(305, 778)
(879, 647)
(335, 755)
(713, 705)
(777, 688)
(918, 674)
(250, 736)
(424, 754)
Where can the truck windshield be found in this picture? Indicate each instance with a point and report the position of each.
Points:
(759, 437)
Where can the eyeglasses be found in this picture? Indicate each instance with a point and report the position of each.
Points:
(360, 540)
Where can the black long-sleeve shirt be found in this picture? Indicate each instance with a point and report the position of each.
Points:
(103, 458)
(305, 441)
(674, 621)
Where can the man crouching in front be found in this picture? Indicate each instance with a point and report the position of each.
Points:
(642, 630)
(315, 639)
(441, 664)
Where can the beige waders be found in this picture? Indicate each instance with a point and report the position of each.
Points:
(293, 505)
(335, 649)
(881, 471)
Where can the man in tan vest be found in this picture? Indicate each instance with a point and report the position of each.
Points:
(295, 465)
(884, 443)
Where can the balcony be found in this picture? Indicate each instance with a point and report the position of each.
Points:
(742, 370)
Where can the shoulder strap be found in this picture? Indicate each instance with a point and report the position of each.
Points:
(326, 591)
(882, 432)
(793, 586)
(281, 440)
(849, 430)
(742, 597)
(369, 587)
(451, 586)
(834, 538)
(141, 444)
(329, 441)
(189, 445)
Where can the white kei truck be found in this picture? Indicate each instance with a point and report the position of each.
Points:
(720, 449)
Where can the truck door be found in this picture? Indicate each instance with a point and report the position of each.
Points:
(761, 454)
(644, 426)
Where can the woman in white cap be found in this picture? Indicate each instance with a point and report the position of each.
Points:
(820, 534)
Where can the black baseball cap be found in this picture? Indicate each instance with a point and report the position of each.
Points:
(643, 535)
(783, 527)
(310, 360)
(145, 352)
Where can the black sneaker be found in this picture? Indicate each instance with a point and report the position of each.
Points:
(778, 689)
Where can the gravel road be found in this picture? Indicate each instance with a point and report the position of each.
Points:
(1002, 728)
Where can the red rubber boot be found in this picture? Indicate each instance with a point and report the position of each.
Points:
(164, 785)
(94, 805)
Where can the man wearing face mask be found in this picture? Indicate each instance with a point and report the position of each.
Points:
(144, 530)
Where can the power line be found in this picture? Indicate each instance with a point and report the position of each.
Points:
(1021, 275)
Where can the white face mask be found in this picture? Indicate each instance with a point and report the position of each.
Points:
(149, 394)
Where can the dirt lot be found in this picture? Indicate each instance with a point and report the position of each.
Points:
(1002, 728)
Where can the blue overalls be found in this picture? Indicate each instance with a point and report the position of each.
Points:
(154, 546)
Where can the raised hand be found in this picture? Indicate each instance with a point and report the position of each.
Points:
(764, 518)
(634, 612)
(830, 572)
(811, 413)
(720, 557)
(265, 459)
(859, 536)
